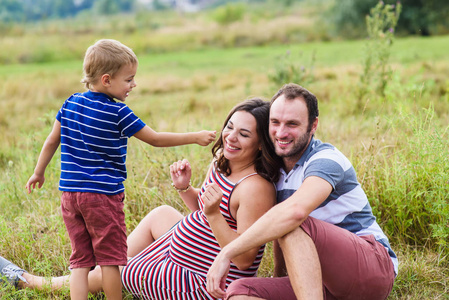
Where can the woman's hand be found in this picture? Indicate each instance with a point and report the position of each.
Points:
(212, 199)
(180, 173)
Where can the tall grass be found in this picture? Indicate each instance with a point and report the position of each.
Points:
(407, 180)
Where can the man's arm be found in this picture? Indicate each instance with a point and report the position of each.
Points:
(249, 206)
(277, 222)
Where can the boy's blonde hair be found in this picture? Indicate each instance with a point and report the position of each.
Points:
(106, 56)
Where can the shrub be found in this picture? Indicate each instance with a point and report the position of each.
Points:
(288, 70)
(229, 13)
(381, 24)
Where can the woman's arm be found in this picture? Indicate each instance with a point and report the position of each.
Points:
(181, 172)
(251, 199)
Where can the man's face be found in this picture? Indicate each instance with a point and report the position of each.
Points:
(289, 128)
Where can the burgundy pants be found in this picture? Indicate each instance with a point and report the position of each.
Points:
(352, 267)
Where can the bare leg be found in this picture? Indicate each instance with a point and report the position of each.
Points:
(40, 283)
(153, 225)
(95, 280)
(303, 265)
(57, 283)
(79, 284)
(112, 283)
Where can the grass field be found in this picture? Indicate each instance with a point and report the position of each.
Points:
(397, 142)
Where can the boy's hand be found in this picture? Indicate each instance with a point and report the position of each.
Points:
(206, 137)
(31, 184)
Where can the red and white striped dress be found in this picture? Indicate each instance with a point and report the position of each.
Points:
(175, 266)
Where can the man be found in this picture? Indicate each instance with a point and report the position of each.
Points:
(332, 246)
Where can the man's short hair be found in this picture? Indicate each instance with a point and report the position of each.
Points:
(293, 91)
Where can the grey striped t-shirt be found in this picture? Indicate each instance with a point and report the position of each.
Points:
(347, 206)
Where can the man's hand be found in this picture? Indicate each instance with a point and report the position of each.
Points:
(216, 277)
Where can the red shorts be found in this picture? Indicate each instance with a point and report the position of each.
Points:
(96, 227)
(353, 267)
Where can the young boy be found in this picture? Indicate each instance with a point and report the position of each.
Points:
(93, 130)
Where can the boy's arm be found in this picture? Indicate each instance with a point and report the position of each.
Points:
(170, 139)
(51, 144)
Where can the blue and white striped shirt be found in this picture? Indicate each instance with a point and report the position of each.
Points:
(347, 206)
(94, 137)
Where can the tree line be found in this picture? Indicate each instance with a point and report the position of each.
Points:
(32, 10)
(347, 17)
(418, 17)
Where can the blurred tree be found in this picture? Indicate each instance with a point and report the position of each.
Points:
(110, 7)
(105, 7)
(84, 4)
(126, 5)
(287, 3)
(62, 8)
(422, 17)
(11, 10)
(158, 5)
(31, 10)
(229, 13)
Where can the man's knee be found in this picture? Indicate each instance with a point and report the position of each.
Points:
(246, 289)
(242, 297)
(242, 289)
(295, 236)
(278, 288)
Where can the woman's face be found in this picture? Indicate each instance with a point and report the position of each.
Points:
(240, 140)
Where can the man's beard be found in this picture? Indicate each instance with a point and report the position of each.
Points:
(298, 147)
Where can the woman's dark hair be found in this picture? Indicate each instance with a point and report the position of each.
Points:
(267, 163)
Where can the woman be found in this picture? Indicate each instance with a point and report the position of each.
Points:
(171, 254)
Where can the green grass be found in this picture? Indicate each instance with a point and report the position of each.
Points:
(406, 51)
(398, 143)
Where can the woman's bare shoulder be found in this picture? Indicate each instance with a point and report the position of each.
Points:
(255, 184)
